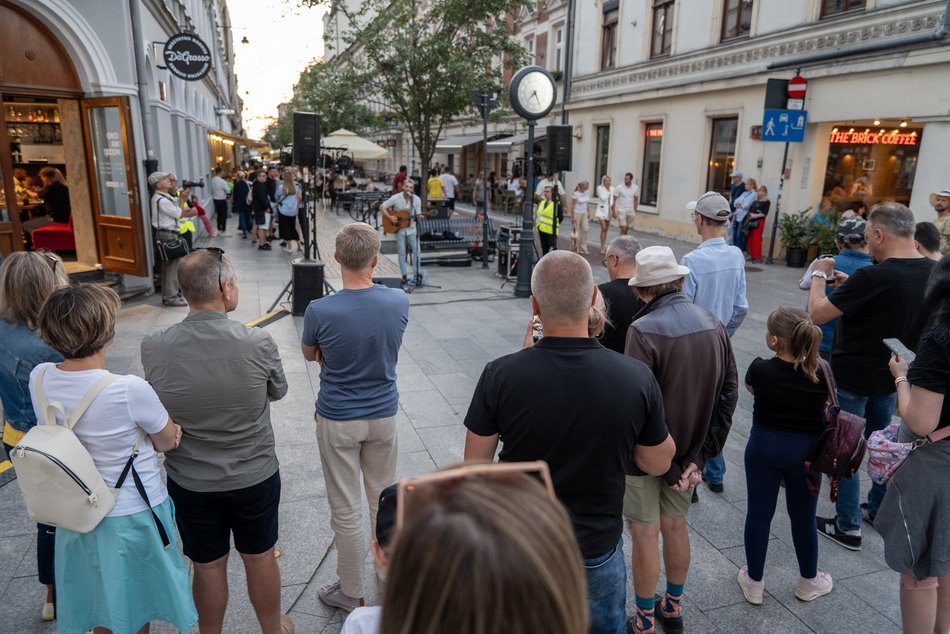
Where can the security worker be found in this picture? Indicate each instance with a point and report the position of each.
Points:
(547, 218)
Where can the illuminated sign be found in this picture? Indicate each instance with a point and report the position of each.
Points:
(853, 137)
(654, 132)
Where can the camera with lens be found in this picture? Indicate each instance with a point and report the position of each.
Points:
(186, 183)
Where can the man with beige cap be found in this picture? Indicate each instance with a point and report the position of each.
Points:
(940, 201)
(688, 350)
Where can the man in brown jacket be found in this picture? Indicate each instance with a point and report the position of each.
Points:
(689, 352)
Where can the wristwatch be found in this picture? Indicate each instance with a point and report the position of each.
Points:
(820, 274)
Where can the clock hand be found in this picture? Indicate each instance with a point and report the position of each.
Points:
(536, 98)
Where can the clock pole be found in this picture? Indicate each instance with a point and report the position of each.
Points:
(526, 243)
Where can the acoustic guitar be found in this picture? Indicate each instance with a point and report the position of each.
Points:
(403, 220)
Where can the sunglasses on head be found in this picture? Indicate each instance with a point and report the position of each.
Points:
(220, 253)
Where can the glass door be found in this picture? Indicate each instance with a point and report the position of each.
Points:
(117, 211)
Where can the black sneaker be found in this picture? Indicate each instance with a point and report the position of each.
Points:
(671, 620)
(695, 498)
(866, 514)
(713, 486)
(828, 527)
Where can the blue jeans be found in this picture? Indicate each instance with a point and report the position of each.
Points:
(770, 457)
(715, 469)
(877, 410)
(403, 239)
(607, 592)
(738, 237)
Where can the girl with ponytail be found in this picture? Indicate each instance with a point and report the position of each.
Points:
(788, 416)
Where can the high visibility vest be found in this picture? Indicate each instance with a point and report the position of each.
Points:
(544, 218)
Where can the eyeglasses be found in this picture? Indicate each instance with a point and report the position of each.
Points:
(51, 259)
(607, 257)
(220, 253)
(499, 471)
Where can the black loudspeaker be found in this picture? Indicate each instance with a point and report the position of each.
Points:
(776, 94)
(306, 138)
(308, 284)
(559, 148)
(389, 282)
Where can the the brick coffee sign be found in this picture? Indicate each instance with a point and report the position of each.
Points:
(187, 57)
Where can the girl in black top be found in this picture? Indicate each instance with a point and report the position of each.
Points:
(788, 416)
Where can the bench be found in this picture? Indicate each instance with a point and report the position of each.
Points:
(452, 234)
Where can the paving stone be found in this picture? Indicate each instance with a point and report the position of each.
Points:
(771, 617)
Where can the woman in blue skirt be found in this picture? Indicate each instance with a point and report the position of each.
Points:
(128, 570)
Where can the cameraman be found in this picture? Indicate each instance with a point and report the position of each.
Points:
(168, 206)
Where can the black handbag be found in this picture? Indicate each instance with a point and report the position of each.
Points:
(168, 250)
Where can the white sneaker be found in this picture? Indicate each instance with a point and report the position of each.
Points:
(811, 589)
(751, 590)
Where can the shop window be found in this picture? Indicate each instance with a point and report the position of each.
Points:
(602, 134)
(4, 211)
(722, 154)
(652, 145)
(736, 19)
(869, 164)
(836, 7)
(662, 28)
(608, 37)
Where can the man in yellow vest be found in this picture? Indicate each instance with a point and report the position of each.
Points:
(547, 218)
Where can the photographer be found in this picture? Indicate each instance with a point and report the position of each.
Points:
(167, 208)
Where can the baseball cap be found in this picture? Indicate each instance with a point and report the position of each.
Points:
(657, 265)
(711, 205)
(736, 173)
(154, 177)
(386, 515)
(851, 229)
(942, 192)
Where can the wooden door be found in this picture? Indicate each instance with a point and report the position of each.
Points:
(116, 207)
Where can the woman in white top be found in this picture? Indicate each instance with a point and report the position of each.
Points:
(605, 209)
(120, 575)
(580, 217)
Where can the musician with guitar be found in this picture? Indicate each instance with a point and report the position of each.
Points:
(398, 213)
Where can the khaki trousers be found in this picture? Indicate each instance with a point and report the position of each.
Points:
(581, 222)
(348, 448)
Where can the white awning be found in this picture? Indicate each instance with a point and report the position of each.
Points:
(507, 144)
(454, 144)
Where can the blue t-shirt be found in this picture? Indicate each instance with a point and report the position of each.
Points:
(359, 333)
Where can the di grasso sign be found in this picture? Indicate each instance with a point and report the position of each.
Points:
(187, 57)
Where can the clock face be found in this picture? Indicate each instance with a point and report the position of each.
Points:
(533, 93)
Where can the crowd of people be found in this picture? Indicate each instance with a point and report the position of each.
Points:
(613, 414)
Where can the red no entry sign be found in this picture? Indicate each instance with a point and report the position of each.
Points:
(797, 87)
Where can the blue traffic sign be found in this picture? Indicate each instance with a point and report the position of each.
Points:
(784, 125)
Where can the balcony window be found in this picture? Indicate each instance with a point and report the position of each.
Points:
(559, 49)
(608, 39)
(662, 42)
(836, 7)
(736, 19)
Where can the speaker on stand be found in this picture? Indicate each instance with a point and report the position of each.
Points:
(306, 138)
(560, 140)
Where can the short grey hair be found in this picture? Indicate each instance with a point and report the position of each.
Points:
(202, 274)
(563, 286)
(356, 246)
(893, 218)
(625, 248)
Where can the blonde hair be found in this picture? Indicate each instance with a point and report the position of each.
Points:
(78, 321)
(356, 246)
(581, 186)
(485, 556)
(563, 286)
(799, 336)
(27, 278)
(289, 187)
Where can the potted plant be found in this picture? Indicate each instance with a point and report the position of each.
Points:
(793, 230)
(824, 231)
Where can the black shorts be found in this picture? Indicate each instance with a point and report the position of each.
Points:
(206, 521)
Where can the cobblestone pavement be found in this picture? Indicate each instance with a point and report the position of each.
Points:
(452, 333)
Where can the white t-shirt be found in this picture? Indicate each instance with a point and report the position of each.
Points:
(363, 621)
(625, 196)
(219, 188)
(539, 190)
(109, 428)
(449, 183)
(581, 200)
(514, 185)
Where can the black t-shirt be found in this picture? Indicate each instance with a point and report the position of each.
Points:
(581, 408)
(56, 201)
(931, 368)
(622, 304)
(786, 399)
(878, 302)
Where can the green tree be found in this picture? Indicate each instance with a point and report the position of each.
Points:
(421, 61)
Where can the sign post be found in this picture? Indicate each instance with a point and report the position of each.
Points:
(786, 125)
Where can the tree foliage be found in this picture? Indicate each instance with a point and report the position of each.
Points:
(322, 89)
(419, 60)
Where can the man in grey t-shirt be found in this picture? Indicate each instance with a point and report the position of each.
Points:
(355, 335)
(216, 378)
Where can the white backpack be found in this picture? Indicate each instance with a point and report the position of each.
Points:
(58, 478)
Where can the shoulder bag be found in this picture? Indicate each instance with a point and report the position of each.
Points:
(886, 454)
(841, 445)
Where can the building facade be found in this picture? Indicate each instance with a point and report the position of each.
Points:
(84, 88)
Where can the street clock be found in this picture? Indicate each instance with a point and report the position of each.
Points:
(532, 92)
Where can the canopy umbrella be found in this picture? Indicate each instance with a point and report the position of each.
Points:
(356, 146)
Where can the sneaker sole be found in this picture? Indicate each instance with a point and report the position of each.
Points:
(839, 542)
(811, 596)
(341, 606)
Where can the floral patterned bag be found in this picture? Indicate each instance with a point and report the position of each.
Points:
(886, 454)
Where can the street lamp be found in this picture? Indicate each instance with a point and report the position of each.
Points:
(485, 101)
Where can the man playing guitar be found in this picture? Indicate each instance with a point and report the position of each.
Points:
(398, 213)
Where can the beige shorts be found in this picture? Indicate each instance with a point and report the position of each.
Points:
(645, 498)
(625, 218)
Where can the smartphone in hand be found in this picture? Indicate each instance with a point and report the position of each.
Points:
(898, 348)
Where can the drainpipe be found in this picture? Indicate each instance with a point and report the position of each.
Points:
(569, 60)
(940, 35)
(151, 159)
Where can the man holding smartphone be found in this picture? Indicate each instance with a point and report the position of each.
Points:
(875, 303)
